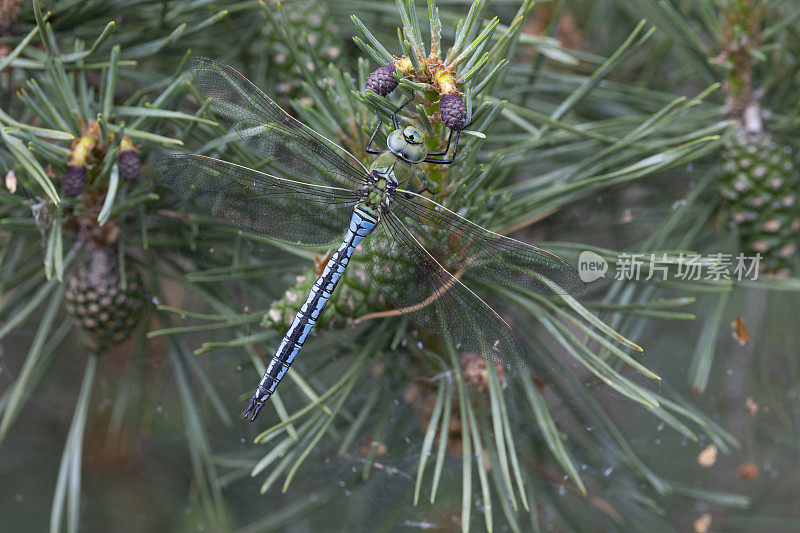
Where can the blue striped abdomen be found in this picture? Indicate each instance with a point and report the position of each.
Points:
(361, 224)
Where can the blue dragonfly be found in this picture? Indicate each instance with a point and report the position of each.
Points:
(419, 253)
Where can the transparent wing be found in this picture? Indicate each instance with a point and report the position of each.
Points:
(434, 298)
(463, 246)
(284, 210)
(291, 149)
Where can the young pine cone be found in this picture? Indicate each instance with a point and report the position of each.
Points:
(382, 80)
(453, 111)
(759, 182)
(129, 165)
(73, 182)
(105, 311)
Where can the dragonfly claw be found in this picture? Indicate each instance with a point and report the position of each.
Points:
(254, 407)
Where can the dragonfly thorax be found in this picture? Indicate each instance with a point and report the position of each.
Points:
(408, 144)
(377, 192)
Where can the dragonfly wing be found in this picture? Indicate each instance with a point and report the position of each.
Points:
(282, 209)
(291, 149)
(463, 246)
(433, 297)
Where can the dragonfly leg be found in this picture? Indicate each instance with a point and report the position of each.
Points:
(370, 150)
(447, 148)
(396, 111)
(452, 156)
(372, 137)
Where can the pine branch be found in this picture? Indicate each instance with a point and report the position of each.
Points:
(552, 129)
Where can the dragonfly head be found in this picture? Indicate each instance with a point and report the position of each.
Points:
(408, 144)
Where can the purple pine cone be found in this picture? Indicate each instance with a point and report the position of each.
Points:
(453, 111)
(382, 80)
(129, 165)
(73, 182)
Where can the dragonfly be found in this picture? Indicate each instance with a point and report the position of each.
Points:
(313, 193)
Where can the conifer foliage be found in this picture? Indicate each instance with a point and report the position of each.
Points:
(136, 324)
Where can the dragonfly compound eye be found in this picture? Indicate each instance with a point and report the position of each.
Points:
(396, 142)
(413, 135)
(414, 153)
(400, 146)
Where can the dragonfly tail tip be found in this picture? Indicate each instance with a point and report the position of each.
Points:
(254, 408)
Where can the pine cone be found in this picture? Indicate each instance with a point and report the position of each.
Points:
(73, 182)
(105, 311)
(129, 165)
(453, 111)
(760, 184)
(382, 80)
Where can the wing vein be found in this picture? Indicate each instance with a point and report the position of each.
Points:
(447, 286)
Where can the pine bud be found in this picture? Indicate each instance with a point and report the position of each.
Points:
(129, 165)
(453, 111)
(73, 182)
(382, 80)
